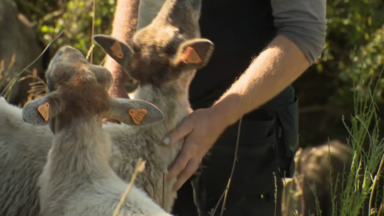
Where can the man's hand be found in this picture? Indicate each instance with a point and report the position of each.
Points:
(274, 69)
(201, 129)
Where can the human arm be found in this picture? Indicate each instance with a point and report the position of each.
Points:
(130, 16)
(270, 73)
(124, 26)
(300, 39)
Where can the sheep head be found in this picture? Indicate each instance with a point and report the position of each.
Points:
(165, 49)
(78, 90)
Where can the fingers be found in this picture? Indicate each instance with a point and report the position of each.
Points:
(179, 164)
(188, 171)
(182, 130)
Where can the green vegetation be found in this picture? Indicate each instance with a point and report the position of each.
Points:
(76, 17)
(362, 187)
(353, 24)
(367, 162)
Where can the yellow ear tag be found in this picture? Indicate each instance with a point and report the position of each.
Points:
(44, 111)
(137, 115)
(117, 50)
(191, 57)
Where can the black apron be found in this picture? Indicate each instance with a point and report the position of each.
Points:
(240, 30)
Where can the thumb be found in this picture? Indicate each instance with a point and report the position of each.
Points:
(181, 131)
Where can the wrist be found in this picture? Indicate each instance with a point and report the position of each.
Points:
(120, 77)
(227, 111)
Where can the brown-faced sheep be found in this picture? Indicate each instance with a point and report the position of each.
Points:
(77, 178)
(164, 57)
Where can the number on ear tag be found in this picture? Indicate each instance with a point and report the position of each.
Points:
(117, 50)
(191, 57)
(44, 111)
(137, 115)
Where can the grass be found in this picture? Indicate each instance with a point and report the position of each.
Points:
(367, 162)
(16, 77)
(3, 70)
(224, 195)
(362, 190)
(139, 168)
(38, 86)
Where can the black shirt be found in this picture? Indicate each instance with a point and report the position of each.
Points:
(240, 30)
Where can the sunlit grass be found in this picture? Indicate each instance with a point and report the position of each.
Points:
(361, 189)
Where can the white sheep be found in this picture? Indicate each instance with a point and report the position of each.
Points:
(164, 57)
(23, 152)
(77, 178)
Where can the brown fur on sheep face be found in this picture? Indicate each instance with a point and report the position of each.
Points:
(81, 85)
(84, 96)
(77, 90)
(165, 49)
(67, 62)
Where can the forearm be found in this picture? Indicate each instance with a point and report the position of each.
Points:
(124, 26)
(281, 63)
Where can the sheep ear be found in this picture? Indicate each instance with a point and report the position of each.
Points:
(115, 48)
(40, 111)
(135, 112)
(194, 54)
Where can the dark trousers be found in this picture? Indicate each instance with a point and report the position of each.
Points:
(265, 155)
